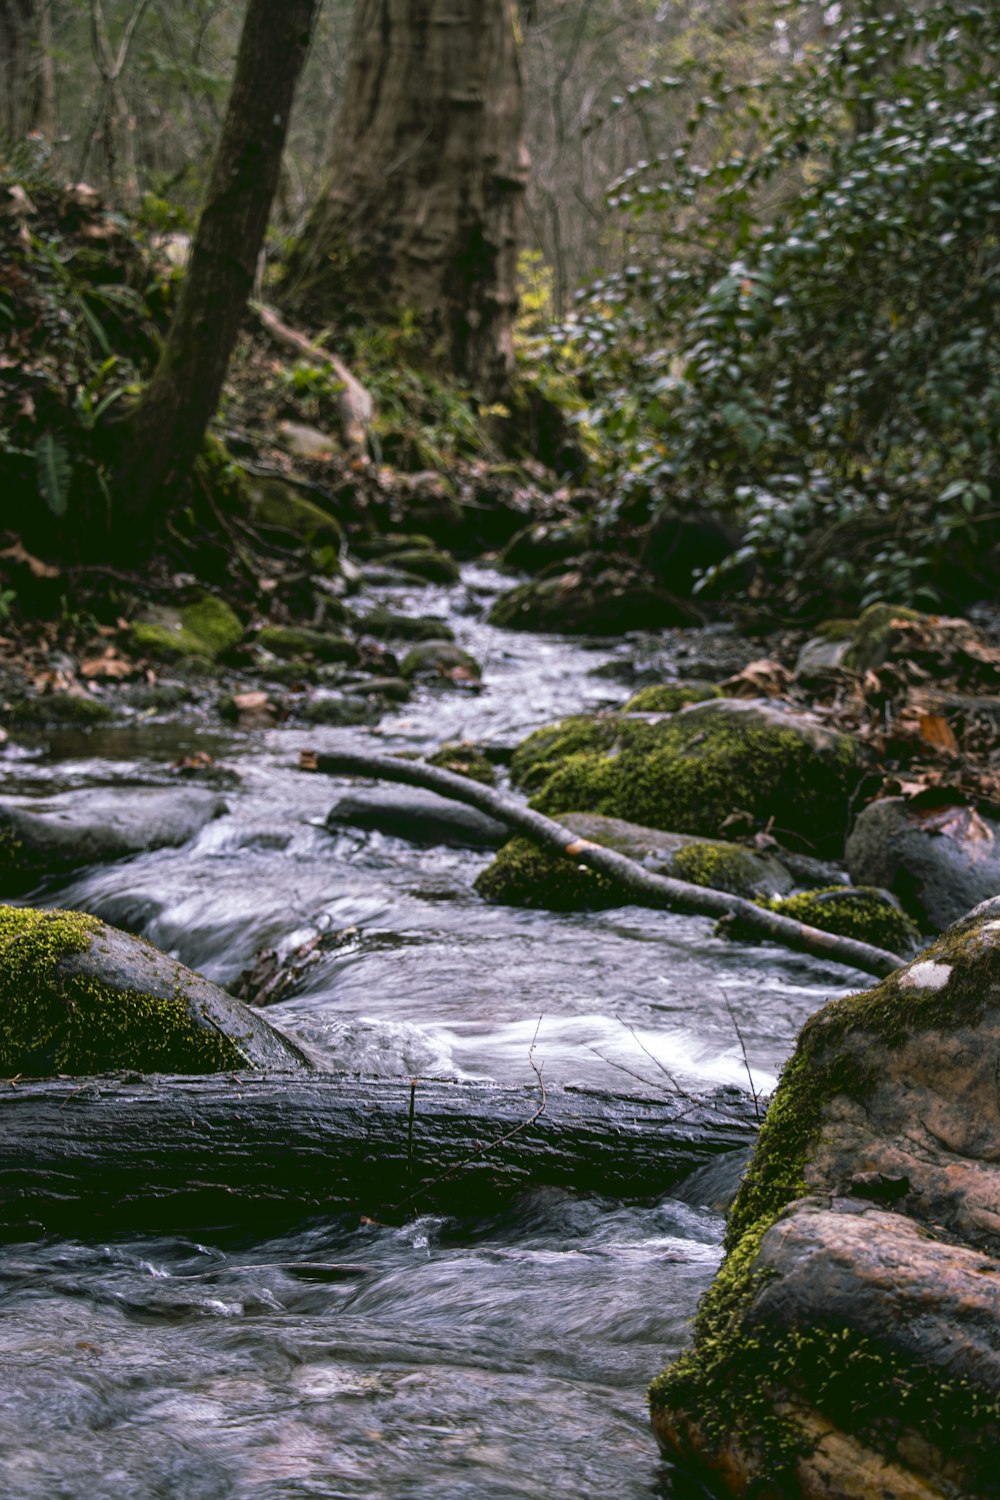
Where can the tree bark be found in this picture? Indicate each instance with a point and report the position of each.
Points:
(642, 884)
(189, 1152)
(23, 93)
(423, 208)
(160, 438)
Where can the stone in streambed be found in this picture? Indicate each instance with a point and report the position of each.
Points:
(80, 997)
(202, 630)
(386, 625)
(525, 875)
(850, 1345)
(668, 697)
(419, 816)
(865, 913)
(938, 860)
(690, 771)
(42, 836)
(442, 660)
(592, 597)
(296, 643)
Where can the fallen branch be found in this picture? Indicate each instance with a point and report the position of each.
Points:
(647, 888)
(355, 406)
(247, 1149)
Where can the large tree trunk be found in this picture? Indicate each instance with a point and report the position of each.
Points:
(423, 207)
(162, 434)
(189, 1152)
(24, 78)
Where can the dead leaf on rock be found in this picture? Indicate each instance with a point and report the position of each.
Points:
(765, 678)
(936, 730)
(109, 665)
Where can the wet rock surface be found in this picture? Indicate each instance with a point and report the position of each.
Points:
(851, 1343)
(939, 860)
(48, 835)
(419, 817)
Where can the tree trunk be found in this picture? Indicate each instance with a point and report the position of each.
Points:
(190, 1152)
(22, 70)
(423, 207)
(160, 437)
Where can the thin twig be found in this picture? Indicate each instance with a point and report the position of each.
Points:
(743, 1049)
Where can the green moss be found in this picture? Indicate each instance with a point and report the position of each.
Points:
(733, 869)
(62, 708)
(871, 635)
(667, 698)
(464, 760)
(537, 757)
(385, 625)
(687, 773)
(859, 912)
(77, 1025)
(292, 642)
(277, 506)
(433, 566)
(524, 875)
(730, 1381)
(206, 628)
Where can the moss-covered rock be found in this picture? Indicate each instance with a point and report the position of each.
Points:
(78, 709)
(295, 643)
(594, 597)
(863, 912)
(381, 544)
(433, 565)
(689, 772)
(79, 997)
(386, 625)
(543, 543)
(846, 1349)
(668, 697)
(206, 628)
(442, 660)
(465, 760)
(524, 875)
(339, 709)
(278, 506)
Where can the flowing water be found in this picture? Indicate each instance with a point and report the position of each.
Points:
(446, 1359)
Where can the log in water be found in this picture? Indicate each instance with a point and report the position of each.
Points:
(184, 1152)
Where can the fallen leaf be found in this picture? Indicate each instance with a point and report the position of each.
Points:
(936, 730)
(764, 678)
(249, 703)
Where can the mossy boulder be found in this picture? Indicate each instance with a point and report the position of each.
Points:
(204, 629)
(295, 643)
(441, 660)
(545, 542)
(689, 772)
(78, 710)
(386, 625)
(866, 913)
(592, 597)
(525, 875)
(371, 548)
(277, 506)
(432, 565)
(340, 709)
(464, 760)
(850, 1345)
(79, 997)
(668, 697)
(915, 645)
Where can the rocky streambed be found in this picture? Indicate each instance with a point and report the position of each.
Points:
(495, 1355)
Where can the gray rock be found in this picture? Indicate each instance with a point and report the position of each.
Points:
(416, 815)
(938, 861)
(50, 835)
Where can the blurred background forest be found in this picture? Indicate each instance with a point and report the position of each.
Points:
(758, 271)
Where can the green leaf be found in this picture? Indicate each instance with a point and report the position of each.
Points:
(54, 472)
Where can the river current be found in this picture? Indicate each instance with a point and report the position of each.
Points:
(447, 1359)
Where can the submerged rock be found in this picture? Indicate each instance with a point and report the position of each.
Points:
(419, 816)
(939, 861)
(525, 875)
(692, 771)
(850, 1345)
(79, 997)
(42, 836)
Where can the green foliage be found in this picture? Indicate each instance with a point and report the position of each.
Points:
(809, 330)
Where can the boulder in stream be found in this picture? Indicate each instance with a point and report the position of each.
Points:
(525, 875)
(418, 816)
(42, 836)
(939, 860)
(592, 596)
(79, 997)
(850, 1345)
(693, 771)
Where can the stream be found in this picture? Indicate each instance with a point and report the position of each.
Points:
(445, 1358)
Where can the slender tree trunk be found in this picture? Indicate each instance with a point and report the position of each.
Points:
(160, 438)
(22, 71)
(423, 207)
